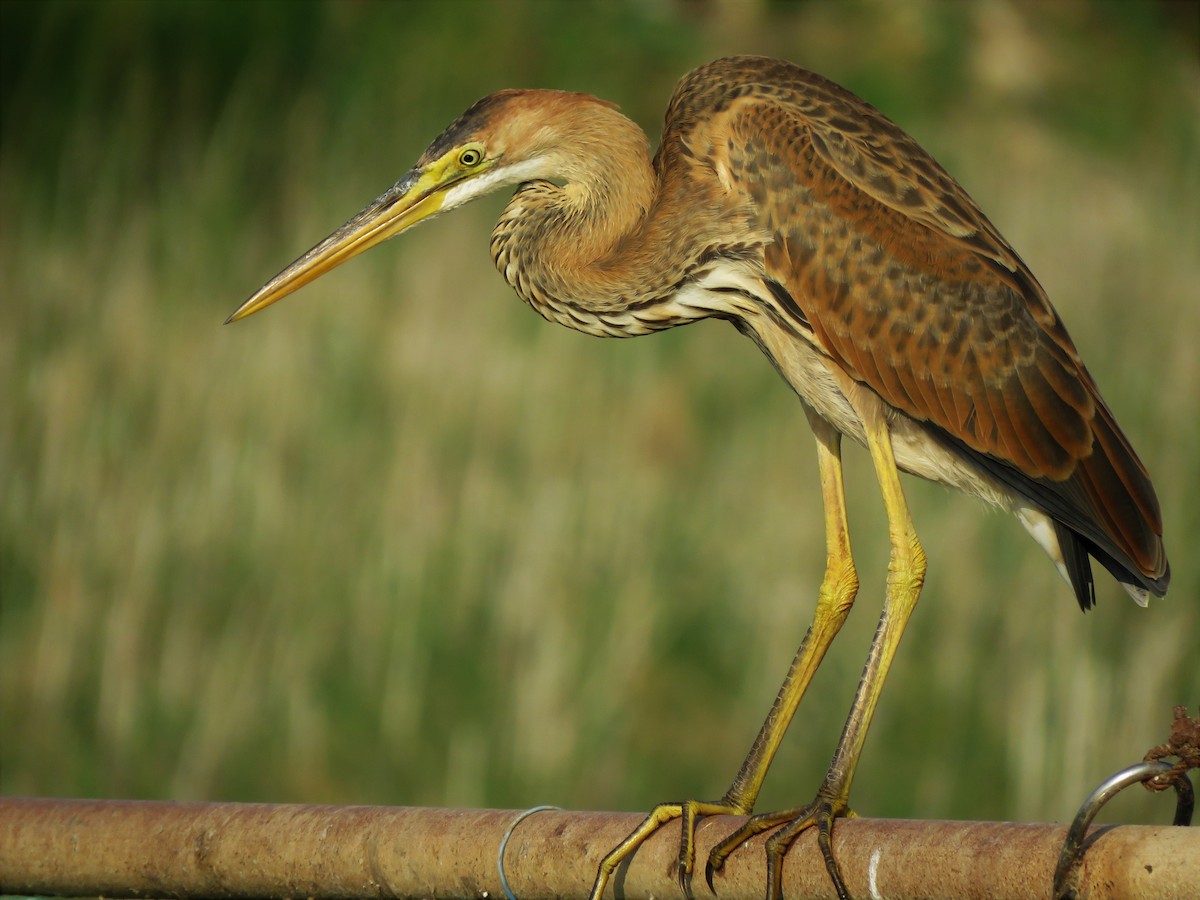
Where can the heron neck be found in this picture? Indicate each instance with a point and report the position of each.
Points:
(591, 251)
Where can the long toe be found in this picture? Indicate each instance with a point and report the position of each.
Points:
(821, 814)
(689, 812)
(755, 825)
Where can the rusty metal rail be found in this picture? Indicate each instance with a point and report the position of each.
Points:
(142, 849)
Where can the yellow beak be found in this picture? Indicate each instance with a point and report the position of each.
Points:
(415, 197)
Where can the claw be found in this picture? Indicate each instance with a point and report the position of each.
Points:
(685, 883)
(687, 847)
(708, 875)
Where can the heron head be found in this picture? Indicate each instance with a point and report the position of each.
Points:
(504, 139)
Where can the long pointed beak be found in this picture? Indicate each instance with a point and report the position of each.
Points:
(411, 199)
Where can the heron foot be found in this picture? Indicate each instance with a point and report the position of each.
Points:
(689, 812)
(820, 814)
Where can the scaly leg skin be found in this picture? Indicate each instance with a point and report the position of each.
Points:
(906, 574)
(838, 589)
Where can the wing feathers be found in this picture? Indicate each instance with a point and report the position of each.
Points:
(914, 292)
(1064, 424)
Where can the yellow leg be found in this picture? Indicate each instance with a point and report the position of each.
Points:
(838, 589)
(906, 574)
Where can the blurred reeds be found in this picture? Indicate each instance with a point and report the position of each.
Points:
(399, 541)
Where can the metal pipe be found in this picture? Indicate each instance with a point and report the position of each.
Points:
(140, 849)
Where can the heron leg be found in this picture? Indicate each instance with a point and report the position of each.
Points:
(838, 588)
(906, 575)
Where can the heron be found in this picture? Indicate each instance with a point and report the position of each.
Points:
(785, 205)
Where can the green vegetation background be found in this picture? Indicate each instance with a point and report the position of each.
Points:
(399, 541)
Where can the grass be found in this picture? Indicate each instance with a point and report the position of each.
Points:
(399, 541)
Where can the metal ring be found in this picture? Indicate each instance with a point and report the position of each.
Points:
(1071, 855)
(504, 843)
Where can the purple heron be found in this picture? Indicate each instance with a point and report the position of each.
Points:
(786, 205)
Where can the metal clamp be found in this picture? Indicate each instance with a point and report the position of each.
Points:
(1071, 857)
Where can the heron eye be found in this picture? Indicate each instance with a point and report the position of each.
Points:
(470, 157)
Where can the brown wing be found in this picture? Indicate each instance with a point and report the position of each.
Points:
(912, 291)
